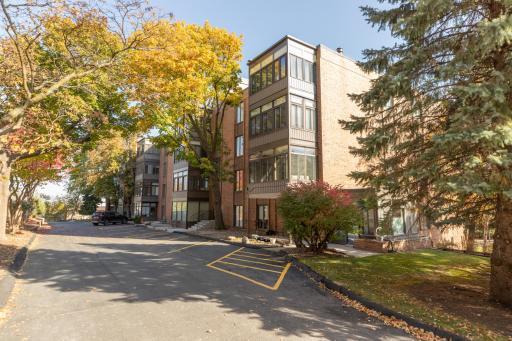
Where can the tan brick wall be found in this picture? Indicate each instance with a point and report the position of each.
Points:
(337, 76)
(452, 237)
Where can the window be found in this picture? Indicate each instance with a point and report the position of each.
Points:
(293, 66)
(297, 117)
(269, 165)
(197, 183)
(303, 164)
(268, 117)
(239, 180)
(148, 209)
(239, 216)
(156, 170)
(310, 119)
(282, 66)
(308, 71)
(240, 113)
(301, 69)
(179, 211)
(239, 146)
(180, 181)
(154, 188)
(303, 114)
(272, 71)
(262, 216)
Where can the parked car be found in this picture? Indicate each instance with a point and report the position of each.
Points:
(108, 217)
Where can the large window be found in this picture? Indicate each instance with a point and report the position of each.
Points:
(301, 69)
(239, 216)
(262, 216)
(302, 164)
(268, 117)
(180, 181)
(267, 73)
(179, 211)
(239, 180)
(197, 183)
(239, 146)
(240, 113)
(148, 209)
(303, 114)
(269, 165)
(150, 169)
(154, 188)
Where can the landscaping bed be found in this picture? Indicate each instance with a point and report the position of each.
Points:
(236, 236)
(444, 289)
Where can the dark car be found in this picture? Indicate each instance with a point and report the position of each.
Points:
(108, 218)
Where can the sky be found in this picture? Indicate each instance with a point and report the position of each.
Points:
(334, 23)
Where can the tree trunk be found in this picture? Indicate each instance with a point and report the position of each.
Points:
(217, 205)
(470, 236)
(5, 176)
(501, 259)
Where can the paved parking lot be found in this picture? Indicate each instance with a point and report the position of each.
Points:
(122, 282)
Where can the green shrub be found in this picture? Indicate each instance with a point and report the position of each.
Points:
(314, 212)
(137, 219)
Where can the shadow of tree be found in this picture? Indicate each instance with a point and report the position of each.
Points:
(136, 271)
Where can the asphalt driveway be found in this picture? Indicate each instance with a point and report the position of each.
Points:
(123, 282)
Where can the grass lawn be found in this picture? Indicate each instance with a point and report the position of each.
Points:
(442, 288)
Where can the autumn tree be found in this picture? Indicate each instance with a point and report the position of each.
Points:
(184, 80)
(47, 47)
(105, 170)
(26, 176)
(437, 129)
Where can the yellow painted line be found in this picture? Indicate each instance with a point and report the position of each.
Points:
(248, 267)
(189, 246)
(240, 254)
(243, 277)
(254, 261)
(256, 253)
(225, 256)
(281, 277)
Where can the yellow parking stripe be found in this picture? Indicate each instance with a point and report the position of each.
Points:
(253, 261)
(261, 258)
(281, 277)
(243, 277)
(248, 267)
(189, 246)
(256, 253)
(225, 256)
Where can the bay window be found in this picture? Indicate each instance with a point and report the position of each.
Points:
(302, 164)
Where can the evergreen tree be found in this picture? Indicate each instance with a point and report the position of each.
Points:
(437, 129)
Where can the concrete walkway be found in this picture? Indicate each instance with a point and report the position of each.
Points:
(349, 250)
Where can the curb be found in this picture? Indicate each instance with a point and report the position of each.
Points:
(265, 247)
(7, 283)
(329, 284)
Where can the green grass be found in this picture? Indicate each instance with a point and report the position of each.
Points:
(395, 280)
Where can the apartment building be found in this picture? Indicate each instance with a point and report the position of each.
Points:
(298, 94)
(286, 130)
(146, 186)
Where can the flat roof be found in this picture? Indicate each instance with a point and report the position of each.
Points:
(279, 42)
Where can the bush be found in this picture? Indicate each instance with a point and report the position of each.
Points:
(137, 219)
(315, 212)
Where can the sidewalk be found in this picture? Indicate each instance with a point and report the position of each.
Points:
(349, 250)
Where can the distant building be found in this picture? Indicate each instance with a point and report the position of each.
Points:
(147, 170)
